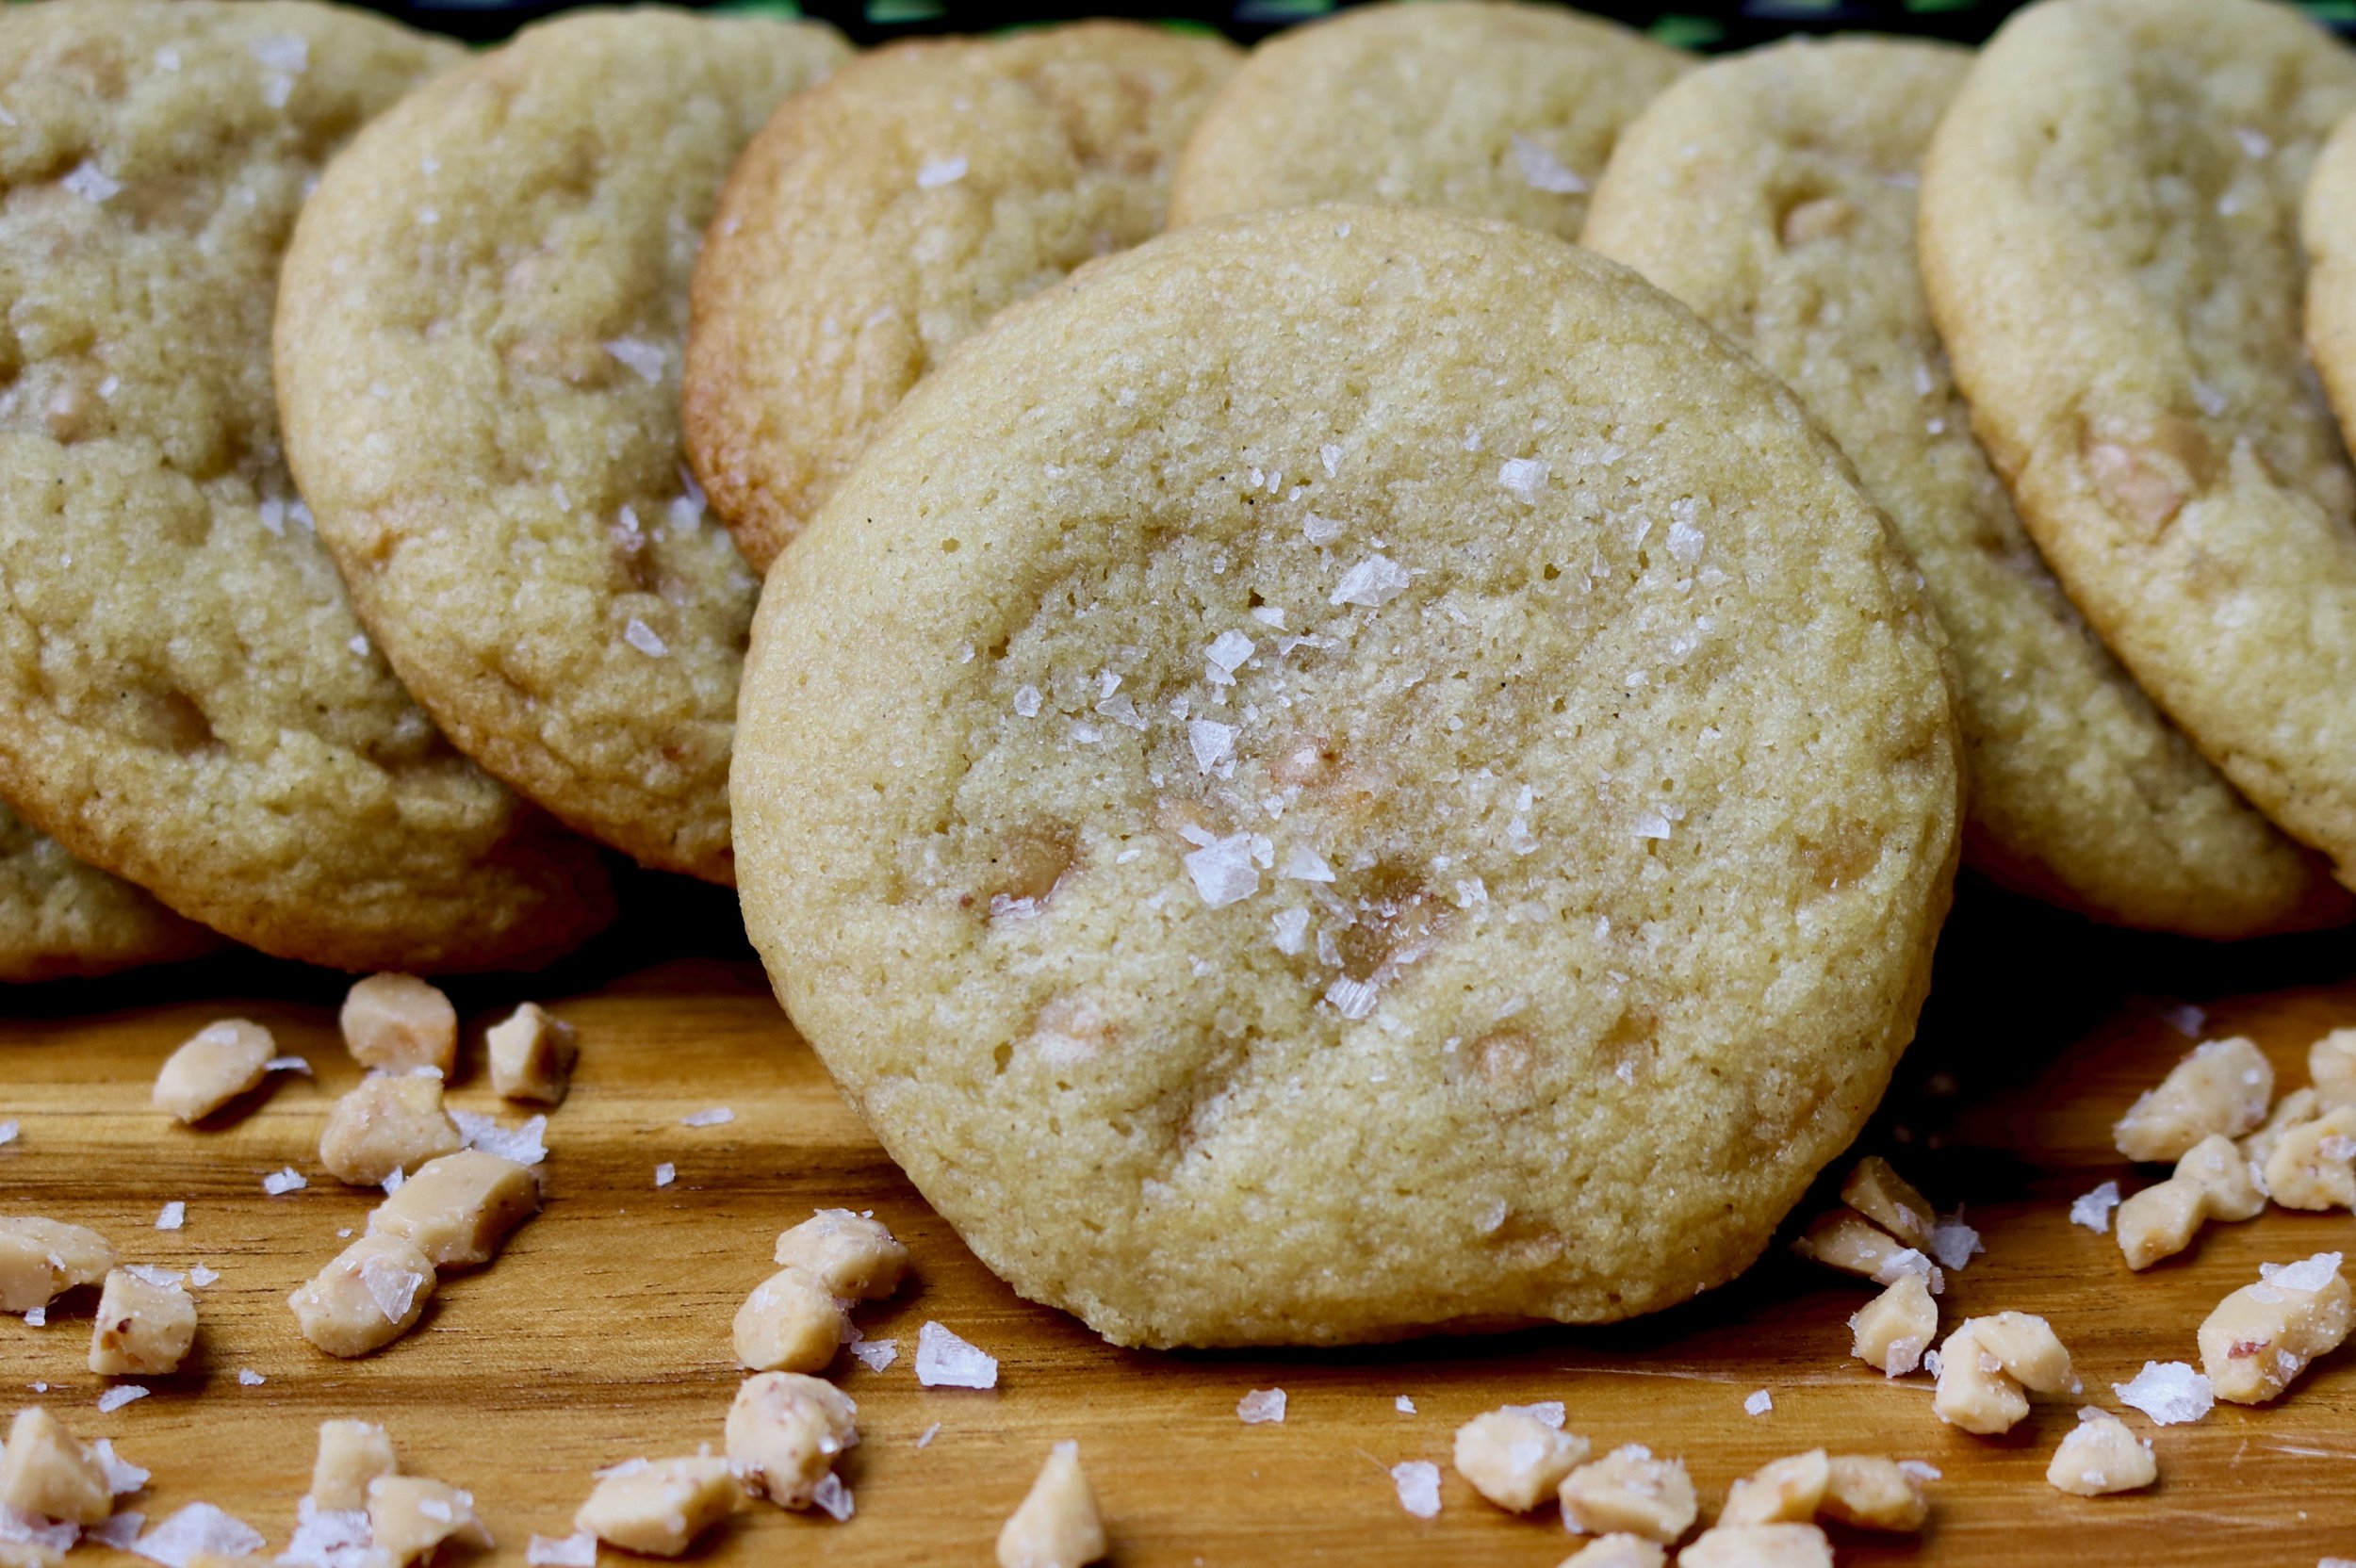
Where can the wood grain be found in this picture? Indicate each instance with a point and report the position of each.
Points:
(603, 1331)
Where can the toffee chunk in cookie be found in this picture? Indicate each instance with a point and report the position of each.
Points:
(2110, 243)
(1499, 109)
(1773, 193)
(483, 408)
(877, 220)
(59, 917)
(186, 697)
(1311, 765)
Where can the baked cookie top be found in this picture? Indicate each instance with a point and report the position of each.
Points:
(187, 699)
(479, 330)
(1502, 110)
(1774, 192)
(877, 220)
(2109, 239)
(59, 917)
(1362, 700)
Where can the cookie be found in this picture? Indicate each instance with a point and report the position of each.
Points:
(480, 329)
(1501, 110)
(2109, 240)
(1774, 192)
(880, 218)
(1342, 702)
(185, 699)
(59, 917)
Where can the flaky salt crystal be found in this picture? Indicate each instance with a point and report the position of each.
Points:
(289, 1064)
(945, 1361)
(1331, 455)
(562, 1551)
(89, 181)
(391, 1287)
(833, 1497)
(1213, 742)
(2308, 1274)
(123, 1477)
(173, 1216)
(2170, 1392)
(1685, 540)
(1260, 1407)
(202, 1275)
(638, 634)
(1222, 870)
(1373, 582)
(876, 1354)
(2093, 1209)
(1953, 1242)
(1519, 838)
(329, 1537)
(935, 173)
(1403, 1405)
(250, 1377)
(31, 1530)
(1353, 999)
(719, 1116)
(1229, 651)
(1546, 1413)
(1291, 930)
(279, 1182)
(1920, 1470)
(1524, 476)
(1541, 171)
(7, 1132)
(627, 1467)
(148, 1274)
(392, 1181)
(36, 1317)
(1027, 702)
(524, 1145)
(1306, 865)
(1652, 825)
(286, 51)
(645, 358)
(118, 1530)
(665, 1174)
(197, 1530)
(1418, 1483)
(1321, 531)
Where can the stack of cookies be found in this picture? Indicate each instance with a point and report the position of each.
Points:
(1349, 767)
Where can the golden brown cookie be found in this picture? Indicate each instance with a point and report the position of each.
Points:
(880, 218)
(480, 329)
(1356, 701)
(59, 917)
(2109, 240)
(185, 699)
(1774, 192)
(1499, 109)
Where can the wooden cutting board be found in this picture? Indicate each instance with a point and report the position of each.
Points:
(602, 1333)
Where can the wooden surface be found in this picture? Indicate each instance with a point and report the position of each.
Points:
(603, 1331)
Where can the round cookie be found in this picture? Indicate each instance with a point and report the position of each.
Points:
(1773, 192)
(1499, 109)
(880, 218)
(1348, 773)
(59, 917)
(482, 411)
(185, 699)
(2109, 242)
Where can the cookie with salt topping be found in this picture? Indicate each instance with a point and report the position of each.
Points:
(189, 700)
(877, 220)
(59, 917)
(1774, 192)
(480, 329)
(2110, 243)
(1502, 110)
(1350, 773)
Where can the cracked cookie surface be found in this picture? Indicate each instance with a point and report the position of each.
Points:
(189, 700)
(480, 331)
(1315, 764)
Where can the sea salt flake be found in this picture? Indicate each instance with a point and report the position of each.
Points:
(665, 1174)
(1260, 1407)
(2254, 143)
(638, 634)
(201, 1276)
(1920, 1470)
(2170, 1393)
(118, 1396)
(250, 1377)
(392, 1181)
(175, 1214)
(627, 1467)
(647, 359)
(391, 1287)
(1292, 930)
(148, 1274)
(1213, 742)
(1373, 582)
(562, 1551)
(199, 1528)
(1321, 531)
(1522, 476)
(1306, 865)
(876, 1354)
(281, 1182)
(36, 1317)
(524, 1145)
(1026, 701)
(118, 1530)
(1519, 838)
(1685, 540)
(123, 1477)
(1953, 1242)
(285, 52)
(1222, 870)
(31, 1530)
(289, 1064)
(331, 1538)
(7, 1132)
(1652, 825)
(945, 1361)
(2093, 1209)
(89, 181)
(1418, 1483)
(833, 1497)
(1546, 1413)
(935, 173)
(719, 1116)
(1541, 171)
(2308, 1274)
(1759, 1403)
(1353, 999)
(1331, 455)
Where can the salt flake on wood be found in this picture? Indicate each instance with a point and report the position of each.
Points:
(1260, 1407)
(665, 1174)
(175, 1214)
(1759, 1403)
(876, 1354)
(119, 1530)
(123, 1477)
(1953, 1242)
(945, 1361)
(30, 1530)
(2093, 1209)
(281, 1182)
(1418, 1483)
(563, 1551)
(1546, 1413)
(719, 1116)
(119, 1395)
(2170, 1393)
(198, 1530)
(833, 1496)
(523, 1145)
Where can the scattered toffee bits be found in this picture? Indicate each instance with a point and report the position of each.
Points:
(784, 1432)
(660, 1507)
(1057, 1523)
(145, 1325)
(1515, 1459)
(2213, 1181)
(1988, 1367)
(370, 1296)
(2101, 1456)
(532, 1053)
(1895, 1329)
(213, 1066)
(399, 1022)
(2259, 1339)
(392, 1121)
(2221, 1087)
(1631, 1493)
(39, 1259)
